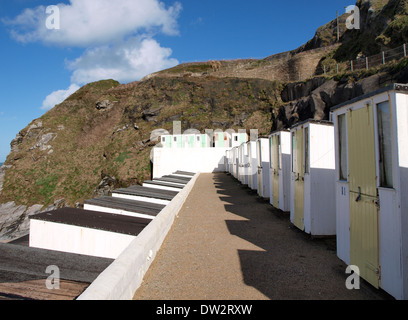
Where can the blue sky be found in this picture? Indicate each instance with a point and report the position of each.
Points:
(128, 39)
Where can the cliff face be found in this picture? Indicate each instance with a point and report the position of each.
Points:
(314, 98)
(100, 137)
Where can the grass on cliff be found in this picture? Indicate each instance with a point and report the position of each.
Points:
(89, 143)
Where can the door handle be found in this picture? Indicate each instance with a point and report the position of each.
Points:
(359, 195)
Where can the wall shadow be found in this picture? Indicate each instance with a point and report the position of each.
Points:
(289, 264)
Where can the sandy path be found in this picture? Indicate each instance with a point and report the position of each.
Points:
(228, 244)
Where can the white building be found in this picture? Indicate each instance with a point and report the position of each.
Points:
(238, 139)
(252, 165)
(262, 154)
(243, 162)
(312, 205)
(279, 172)
(372, 187)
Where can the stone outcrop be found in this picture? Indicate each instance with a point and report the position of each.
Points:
(103, 105)
(313, 99)
(15, 220)
(2, 175)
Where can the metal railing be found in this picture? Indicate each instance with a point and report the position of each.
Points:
(364, 62)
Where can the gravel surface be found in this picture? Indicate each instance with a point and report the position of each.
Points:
(228, 244)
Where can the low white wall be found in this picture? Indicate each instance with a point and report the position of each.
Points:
(197, 160)
(79, 240)
(124, 276)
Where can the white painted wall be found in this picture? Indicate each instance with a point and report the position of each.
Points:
(78, 240)
(124, 276)
(401, 119)
(263, 168)
(319, 183)
(198, 160)
(253, 168)
(284, 174)
(401, 177)
(322, 180)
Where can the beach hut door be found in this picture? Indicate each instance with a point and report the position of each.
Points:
(260, 175)
(299, 179)
(275, 169)
(364, 248)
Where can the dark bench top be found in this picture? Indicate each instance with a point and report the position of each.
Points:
(178, 178)
(20, 263)
(95, 220)
(141, 207)
(185, 173)
(171, 180)
(148, 193)
(163, 184)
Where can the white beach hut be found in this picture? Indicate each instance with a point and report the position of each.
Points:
(312, 207)
(279, 172)
(252, 165)
(243, 160)
(166, 141)
(372, 187)
(202, 141)
(239, 138)
(222, 139)
(262, 154)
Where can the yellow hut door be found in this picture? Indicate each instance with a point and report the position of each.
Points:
(249, 166)
(275, 168)
(364, 240)
(299, 179)
(260, 182)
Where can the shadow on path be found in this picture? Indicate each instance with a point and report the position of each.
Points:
(289, 265)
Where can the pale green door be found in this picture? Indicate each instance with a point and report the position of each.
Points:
(299, 179)
(191, 141)
(364, 247)
(204, 138)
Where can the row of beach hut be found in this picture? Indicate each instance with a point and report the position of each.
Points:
(217, 139)
(346, 177)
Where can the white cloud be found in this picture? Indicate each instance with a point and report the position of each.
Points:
(118, 37)
(126, 61)
(58, 96)
(95, 22)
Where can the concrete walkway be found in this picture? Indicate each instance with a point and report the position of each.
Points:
(228, 244)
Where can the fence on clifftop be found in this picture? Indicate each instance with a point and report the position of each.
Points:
(364, 62)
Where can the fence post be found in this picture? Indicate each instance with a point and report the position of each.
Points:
(351, 64)
(383, 56)
(367, 63)
(324, 68)
(405, 49)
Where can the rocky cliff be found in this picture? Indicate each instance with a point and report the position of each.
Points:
(100, 137)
